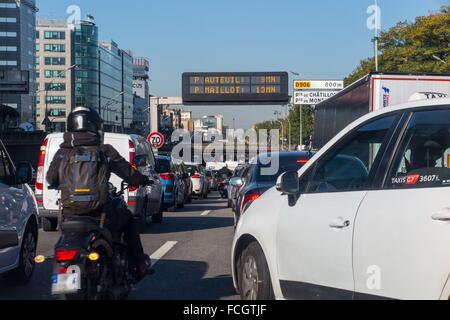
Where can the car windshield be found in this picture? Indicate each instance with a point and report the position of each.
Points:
(163, 165)
(287, 163)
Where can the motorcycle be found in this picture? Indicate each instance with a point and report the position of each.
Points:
(90, 263)
(223, 188)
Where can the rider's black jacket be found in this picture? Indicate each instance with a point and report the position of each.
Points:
(117, 164)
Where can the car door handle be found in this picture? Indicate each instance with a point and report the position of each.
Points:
(340, 223)
(443, 215)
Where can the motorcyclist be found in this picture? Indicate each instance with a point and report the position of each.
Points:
(85, 129)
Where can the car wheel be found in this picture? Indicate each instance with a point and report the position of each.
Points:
(49, 224)
(254, 278)
(158, 218)
(144, 215)
(180, 205)
(23, 273)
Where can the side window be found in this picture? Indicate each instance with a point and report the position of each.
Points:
(3, 175)
(347, 166)
(6, 170)
(152, 160)
(141, 150)
(423, 158)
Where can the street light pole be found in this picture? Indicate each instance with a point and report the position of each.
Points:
(47, 89)
(108, 104)
(300, 112)
(289, 123)
(277, 113)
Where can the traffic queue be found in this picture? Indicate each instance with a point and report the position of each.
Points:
(364, 217)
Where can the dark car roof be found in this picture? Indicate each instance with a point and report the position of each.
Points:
(299, 154)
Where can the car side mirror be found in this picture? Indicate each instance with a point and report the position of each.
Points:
(237, 182)
(24, 173)
(288, 184)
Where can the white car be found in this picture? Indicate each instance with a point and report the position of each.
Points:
(367, 218)
(18, 221)
(135, 149)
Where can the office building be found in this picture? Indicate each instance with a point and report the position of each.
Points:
(116, 87)
(86, 54)
(17, 53)
(187, 123)
(54, 63)
(76, 70)
(141, 68)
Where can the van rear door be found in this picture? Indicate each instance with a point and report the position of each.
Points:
(120, 143)
(51, 197)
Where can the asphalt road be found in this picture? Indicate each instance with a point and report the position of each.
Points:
(191, 249)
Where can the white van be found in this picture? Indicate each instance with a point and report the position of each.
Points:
(144, 202)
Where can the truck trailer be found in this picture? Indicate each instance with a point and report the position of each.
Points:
(374, 92)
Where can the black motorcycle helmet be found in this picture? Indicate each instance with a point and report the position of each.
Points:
(85, 119)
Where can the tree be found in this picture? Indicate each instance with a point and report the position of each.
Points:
(294, 118)
(307, 124)
(410, 47)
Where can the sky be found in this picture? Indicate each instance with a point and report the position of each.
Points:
(321, 39)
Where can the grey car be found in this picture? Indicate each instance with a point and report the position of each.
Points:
(18, 221)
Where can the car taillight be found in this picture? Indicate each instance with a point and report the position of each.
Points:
(302, 161)
(248, 199)
(167, 176)
(40, 169)
(132, 151)
(65, 255)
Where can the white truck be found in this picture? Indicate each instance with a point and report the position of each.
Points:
(374, 92)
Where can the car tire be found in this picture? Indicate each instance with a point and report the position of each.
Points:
(254, 280)
(158, 218)
(23, 273)
(49, 224)
(144, 215)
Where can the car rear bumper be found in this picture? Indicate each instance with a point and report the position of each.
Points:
(48, 213)
(169, 198)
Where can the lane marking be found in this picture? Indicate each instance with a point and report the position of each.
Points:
(205, 213)
(161, 252)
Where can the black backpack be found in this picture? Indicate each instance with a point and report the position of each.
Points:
(84, 172)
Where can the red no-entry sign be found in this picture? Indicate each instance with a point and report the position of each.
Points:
(156, 139)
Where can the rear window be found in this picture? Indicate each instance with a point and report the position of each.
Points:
(192, 169)
(286, 164)
(163, 165)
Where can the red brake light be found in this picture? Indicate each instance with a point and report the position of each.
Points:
(132, 150)
(41, 163)
(248, 199)
(167, 176)
(65, 255)
(302, 161)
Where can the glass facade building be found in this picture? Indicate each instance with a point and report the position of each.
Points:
(116, 87)
(141, 68)
(86, 58)
(127, 88)
(76, 70)
(17, 52)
